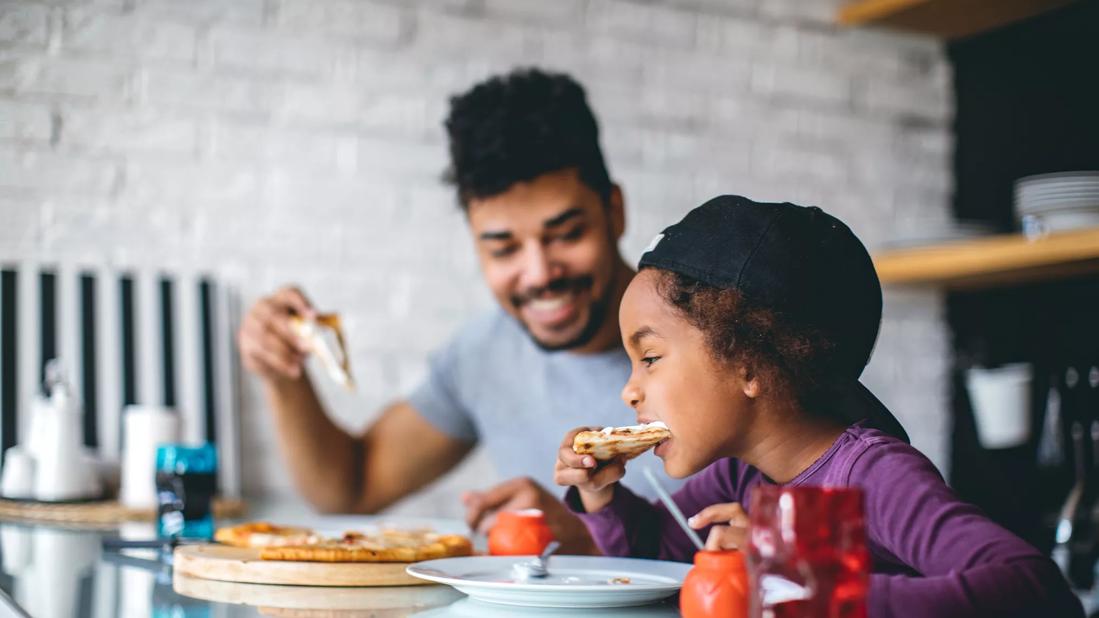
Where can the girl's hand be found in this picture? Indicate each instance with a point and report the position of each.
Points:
(595, 480)
(524, 493)
(731, 531)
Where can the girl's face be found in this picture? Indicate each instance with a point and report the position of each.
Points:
(675, 379)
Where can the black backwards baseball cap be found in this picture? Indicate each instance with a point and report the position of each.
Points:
(797, 261)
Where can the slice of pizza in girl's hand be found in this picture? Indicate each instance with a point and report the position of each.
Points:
(628, 442)
(324, 336)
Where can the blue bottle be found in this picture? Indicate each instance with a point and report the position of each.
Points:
(186, 481)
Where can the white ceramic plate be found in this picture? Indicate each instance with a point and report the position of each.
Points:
(1033, 196)
(470, 608)
(1039, 208)
(1058, 177)
(1065, 220)
(574, 581)
(1057, 183)
(1056, 189)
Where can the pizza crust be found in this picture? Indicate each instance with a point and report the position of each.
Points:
(369, 550)
(264, 534)
(304, 545)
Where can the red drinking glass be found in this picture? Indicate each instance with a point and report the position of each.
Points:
(807, 552)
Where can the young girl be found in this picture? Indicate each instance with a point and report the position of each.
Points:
(748, 326)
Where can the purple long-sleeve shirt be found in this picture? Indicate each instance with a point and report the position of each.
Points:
(932, 555)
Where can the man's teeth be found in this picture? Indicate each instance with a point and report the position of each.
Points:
(548, 304)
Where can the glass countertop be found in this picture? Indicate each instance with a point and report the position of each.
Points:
(49, 571)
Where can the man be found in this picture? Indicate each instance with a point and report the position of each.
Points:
(546, 219)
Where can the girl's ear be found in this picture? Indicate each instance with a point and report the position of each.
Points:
(750, 383)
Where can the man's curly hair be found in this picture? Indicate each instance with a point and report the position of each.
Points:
(787, 355)
(516, 127)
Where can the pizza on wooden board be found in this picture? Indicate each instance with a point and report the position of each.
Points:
(627, 442)
(265, 534)
(304, 545)
(387, 546)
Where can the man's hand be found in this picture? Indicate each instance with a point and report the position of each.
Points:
(732, 534)
(268, 345)
(594, 480)
(525, 493)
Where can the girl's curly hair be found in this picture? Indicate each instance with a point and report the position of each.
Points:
(786, 354)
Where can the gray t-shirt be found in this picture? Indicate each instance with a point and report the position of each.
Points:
(491, 384)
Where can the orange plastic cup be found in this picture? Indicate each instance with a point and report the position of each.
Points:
(519, 533)
(716, 586)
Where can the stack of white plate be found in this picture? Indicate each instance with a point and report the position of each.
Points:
(1059, 201)
(915, 233)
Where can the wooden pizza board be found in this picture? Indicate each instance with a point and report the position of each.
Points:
(239, 564)
(379, 600)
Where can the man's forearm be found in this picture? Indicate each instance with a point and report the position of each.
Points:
(324, 461)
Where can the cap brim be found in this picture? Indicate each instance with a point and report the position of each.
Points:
(859, 404)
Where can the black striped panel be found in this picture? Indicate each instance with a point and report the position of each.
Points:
(206, 317)
(47, 335)
(129, 350)
(88, 359)
(167, 339)
(9, 370)
(89, 286)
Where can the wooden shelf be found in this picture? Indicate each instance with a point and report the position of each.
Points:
(945, 18)
(992, 261)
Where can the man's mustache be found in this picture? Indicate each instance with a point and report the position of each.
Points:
(564, 284)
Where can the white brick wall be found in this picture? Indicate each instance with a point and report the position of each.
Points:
(293, 140)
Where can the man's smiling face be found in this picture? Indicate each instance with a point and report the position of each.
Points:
(547, 248)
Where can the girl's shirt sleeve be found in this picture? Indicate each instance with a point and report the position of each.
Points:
(964, 564)
(632, 526)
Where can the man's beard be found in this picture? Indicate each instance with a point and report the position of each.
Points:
(597, 311)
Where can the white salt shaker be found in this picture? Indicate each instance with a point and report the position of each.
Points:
(144, 428)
